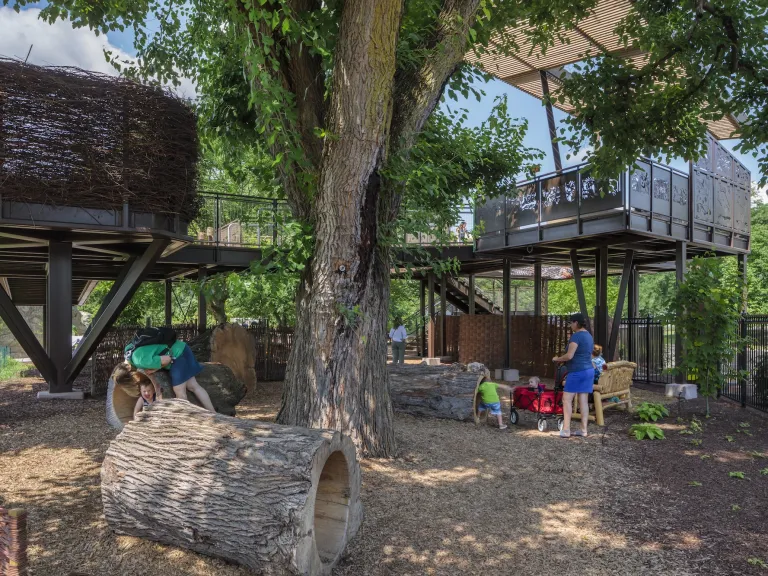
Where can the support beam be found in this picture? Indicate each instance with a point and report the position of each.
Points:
(168, 303)
(202, 311)
(537, 289)
(625, 281)
(443, 310)
(506, 313)
(681, 257)
(432, 348)
(634, 294)
(422, 336)
(551, 122)
(110, 295)
(742, 258)
(579, 286)
(59, 310)
(25, 337)
(471, 298)
(136, 272)
(601, 296)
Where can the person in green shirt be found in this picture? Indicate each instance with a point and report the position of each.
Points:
(489, 400)
(181, 364)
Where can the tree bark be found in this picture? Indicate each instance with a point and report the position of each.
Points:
(277, 499)
(436, 391)
(231, 345)
(224, 388)
(336, 374)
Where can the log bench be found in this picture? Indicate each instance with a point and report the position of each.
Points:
(615, 382)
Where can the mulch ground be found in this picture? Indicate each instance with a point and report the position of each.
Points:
(458, 499)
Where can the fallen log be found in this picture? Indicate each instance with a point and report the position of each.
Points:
(277, 499)
(446, 391)
(224, 388)
(231, 345)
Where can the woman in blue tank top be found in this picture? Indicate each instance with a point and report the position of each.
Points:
(581, 375)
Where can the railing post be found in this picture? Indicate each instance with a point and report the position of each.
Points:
(216, 219)
(741, 361)
(648, 349)
(274, 222)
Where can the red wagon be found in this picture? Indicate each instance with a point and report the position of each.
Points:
(546, 404)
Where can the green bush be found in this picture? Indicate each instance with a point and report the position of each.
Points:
(647, 430)
(10, 369)
(648, 412)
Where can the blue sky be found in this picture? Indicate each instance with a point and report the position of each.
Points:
(60, 45)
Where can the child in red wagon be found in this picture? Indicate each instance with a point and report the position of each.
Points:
(489, 400)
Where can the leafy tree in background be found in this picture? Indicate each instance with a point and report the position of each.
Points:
(340, 94)
(707, 308)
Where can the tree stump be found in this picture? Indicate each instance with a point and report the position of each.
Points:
(277, 499)
(224, 388)
(436, 391)
(228, 344)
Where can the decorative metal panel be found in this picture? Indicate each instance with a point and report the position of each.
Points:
(680, 197)
(662, 191)
(703, 197)
(491, 214)
(705, 162)
(599, 195)
(741, 175)
(523, 209)
(741, 209)
(723, 203)
(559, 197)
(640, 187)
(723, 162)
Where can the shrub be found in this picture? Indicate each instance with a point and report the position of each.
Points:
(647, 430)
(10, 369)
(648, 412)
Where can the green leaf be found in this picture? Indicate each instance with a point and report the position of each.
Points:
(694, 483)
(739, 475)
(286, 26)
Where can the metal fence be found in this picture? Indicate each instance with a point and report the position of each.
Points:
(650, 343)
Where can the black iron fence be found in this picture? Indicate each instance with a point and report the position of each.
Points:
(650, 343)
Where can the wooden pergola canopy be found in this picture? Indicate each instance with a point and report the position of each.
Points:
(594, 35)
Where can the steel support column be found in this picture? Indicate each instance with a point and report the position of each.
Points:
(422, 336)
(537, 289)
(443, 310)
(634, 294)
(136, 272)
(625, 280)
(681, 257)
(742, 259)
(202, 312)
(551, 122)
(471, 296)
(168, 303)
(742, 355)
(506, 313)
(432, 348)
(601, 296)
(579, 285)
(59, 311)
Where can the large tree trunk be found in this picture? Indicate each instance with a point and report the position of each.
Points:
(336, 376)
(276, 499)
(224, 388)
(436, 391)
(231, 345)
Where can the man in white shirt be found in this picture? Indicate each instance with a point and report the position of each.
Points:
(398, 336)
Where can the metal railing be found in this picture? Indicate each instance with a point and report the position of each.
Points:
(257, 222)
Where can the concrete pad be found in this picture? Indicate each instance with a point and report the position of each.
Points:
(511, 375)
(431, 361)
(74, 395)
(686, 391)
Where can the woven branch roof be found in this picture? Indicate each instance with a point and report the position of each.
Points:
(74, 138)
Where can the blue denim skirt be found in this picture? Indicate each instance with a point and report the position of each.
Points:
(580, 382)
(184, 367)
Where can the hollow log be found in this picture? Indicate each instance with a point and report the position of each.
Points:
(228, 344)
(277, 499)
(224, 388)
(436, 391)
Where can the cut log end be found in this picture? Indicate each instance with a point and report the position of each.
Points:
(277, 499)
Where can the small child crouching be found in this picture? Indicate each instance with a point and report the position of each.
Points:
(147, 395)
(489, 400)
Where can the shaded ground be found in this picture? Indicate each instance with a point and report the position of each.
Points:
(457, 500)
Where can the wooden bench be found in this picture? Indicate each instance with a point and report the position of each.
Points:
(615, 382)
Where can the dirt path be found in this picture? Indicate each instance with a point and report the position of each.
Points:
(457, 500)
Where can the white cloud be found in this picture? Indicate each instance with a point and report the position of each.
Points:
(59, 44)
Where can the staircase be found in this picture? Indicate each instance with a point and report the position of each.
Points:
(457, 293)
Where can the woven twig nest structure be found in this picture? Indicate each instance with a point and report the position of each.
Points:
(74, 138)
